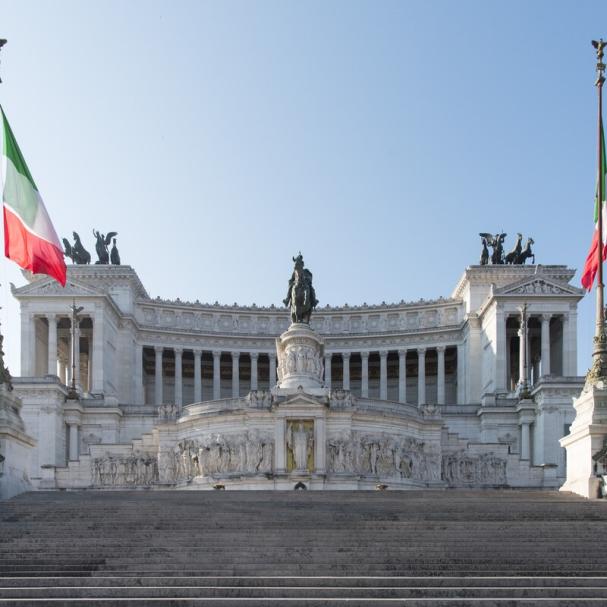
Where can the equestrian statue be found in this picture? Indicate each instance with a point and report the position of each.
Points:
(301, 296)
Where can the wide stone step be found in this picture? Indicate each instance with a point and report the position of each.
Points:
(309, 592)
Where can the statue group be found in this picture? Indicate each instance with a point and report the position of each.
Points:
(517, 256)
(301, 296)
(80, 256)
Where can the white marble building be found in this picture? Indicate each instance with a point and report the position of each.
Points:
(411, 394)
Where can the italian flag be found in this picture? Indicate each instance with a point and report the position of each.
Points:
(29, 236)
(592, 263)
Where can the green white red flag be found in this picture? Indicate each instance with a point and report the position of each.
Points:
(29, 236)
(592, 261)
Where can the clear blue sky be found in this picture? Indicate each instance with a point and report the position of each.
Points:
(219, 138)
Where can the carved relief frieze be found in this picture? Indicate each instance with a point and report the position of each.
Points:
(136, 469)
(463, 469)
(213, 455)
(382, 456)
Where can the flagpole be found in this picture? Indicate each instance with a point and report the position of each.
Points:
(599, 354)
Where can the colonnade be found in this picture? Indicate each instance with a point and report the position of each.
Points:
(47, 349)
(214, 391)
(548, 348)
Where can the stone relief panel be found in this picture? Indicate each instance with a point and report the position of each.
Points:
(136, 469)
(300, 357)
(300, 445)
(259, 399)
(461, 468)
(217, 454)
(382, 456)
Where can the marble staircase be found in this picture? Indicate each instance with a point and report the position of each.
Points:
(303, 548)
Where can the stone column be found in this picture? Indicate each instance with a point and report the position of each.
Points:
(328, 356)
(501, 349)
(572, 340)
(76, 354)
(440, 394)
(98, 343)
(461, 374)
(272, 357)
(345, 356)
(73, 442)
(280, 456)
(525, 440)
(138, 375)
(522, 371)
(178, 376)
(197, 376)
(52, 344)
(421, 376)
(235, 374)
(28, 344)
(158, 396)
(320, 441)
(383, 375)
(402, 376)
(545, 354)
(364, 388)
(216, 375)
(254, 357)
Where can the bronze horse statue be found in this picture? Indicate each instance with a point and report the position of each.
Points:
(301, 296)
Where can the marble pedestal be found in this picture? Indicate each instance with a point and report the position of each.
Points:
(300, 352)
(586, 438)
(15, 447)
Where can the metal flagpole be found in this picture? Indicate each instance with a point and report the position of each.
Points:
(599, 354)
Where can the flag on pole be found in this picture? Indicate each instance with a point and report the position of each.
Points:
(30, 239)
(592, 263)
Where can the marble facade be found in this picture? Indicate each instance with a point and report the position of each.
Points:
(417, 394)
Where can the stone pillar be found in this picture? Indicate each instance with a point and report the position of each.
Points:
(52, 344)
(461, 374)
(328, 356)
(254, 358)
(364, 388)
(522, 372)
(197, 376)
(525, 443)
(158, 396)
(235, 374)
(402, 376)
(545, 354)
(440, 393)
(421, 376)
(73, 442)
(216, 375)
(98, 343)
(28, 343)
(383, 375)
(501, 349)
(138, 375)
(76, 354)
(345, 356)
(178, 376)
(272, 357)
(320, 442)
(280, 455)
(572, 340)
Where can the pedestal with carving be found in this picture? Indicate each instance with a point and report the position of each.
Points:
(300, 361)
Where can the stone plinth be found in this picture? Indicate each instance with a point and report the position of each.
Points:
(300, 361)
(15, 447)
(586, 438)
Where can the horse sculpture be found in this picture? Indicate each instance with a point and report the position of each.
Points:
(76, 252)
(301, 296)
(526, 253)
(515, 253)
